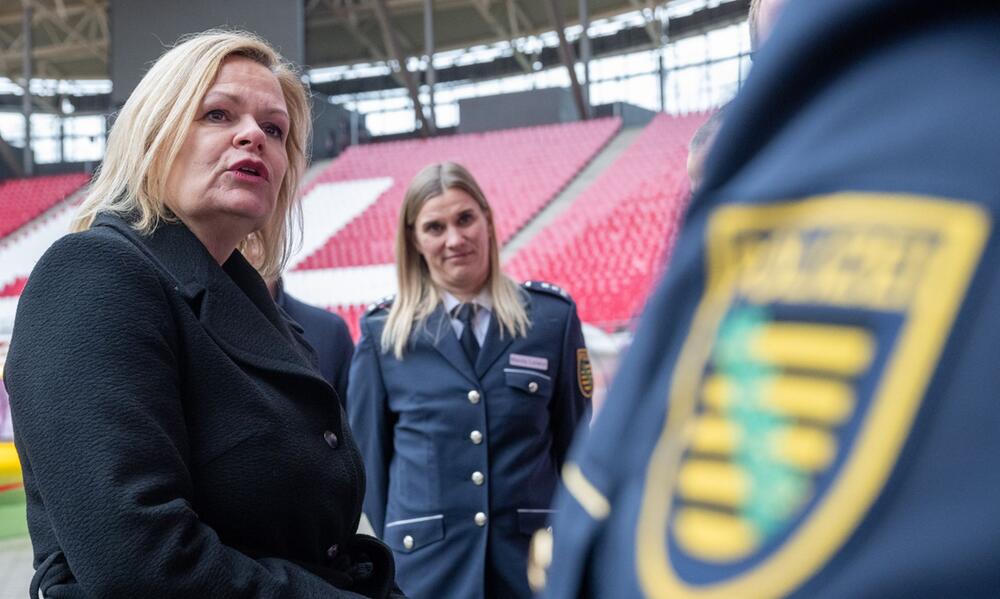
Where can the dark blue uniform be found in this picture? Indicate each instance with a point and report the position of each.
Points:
(463, 461)
(810, 404)
(328, 335)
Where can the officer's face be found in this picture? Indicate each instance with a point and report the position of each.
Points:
(452, 233)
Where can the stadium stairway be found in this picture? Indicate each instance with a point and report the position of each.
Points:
(565, 199)
(609, 248)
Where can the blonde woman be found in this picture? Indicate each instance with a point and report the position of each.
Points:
(465, 392)
(176, 438)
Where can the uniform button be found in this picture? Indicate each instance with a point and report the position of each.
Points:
(532, 387)
(478, 478)
(476, 437)
(408, 542)
(473, 396)
(333, 551)
(331, 439)
(480, 519)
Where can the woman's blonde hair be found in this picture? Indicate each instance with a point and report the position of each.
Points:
(418, 297)
(153, 125)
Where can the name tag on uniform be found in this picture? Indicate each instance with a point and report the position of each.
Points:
(533, 362)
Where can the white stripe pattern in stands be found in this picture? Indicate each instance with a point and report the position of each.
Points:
(342, 286)
(329, 207)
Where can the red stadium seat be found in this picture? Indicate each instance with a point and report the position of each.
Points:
(15, 288)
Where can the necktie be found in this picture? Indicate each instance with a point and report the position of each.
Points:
(465, 313)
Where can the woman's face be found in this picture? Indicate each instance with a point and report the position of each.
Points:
(224, 183)
(452, 233)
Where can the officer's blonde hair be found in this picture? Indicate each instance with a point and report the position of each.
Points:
(153, 125)
(418, 297)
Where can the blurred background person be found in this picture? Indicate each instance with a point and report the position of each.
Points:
(174, 437)
(325, 332)
(819, 419)
(701, 143)
(465, 392)
(761, 19)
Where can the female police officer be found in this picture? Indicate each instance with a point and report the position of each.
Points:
(465, 391)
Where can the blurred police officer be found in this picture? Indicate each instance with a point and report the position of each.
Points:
(465, 391)
(810, 406)
(701, 142)
(325, 331)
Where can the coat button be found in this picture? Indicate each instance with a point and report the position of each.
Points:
(473, 396)
(480, 519)
(532, 387)
(476, 437)
(333, 551)
(408, 542)
(478, 478)
(331, 439)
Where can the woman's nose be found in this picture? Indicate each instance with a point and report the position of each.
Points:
(250, 134)
(454, 236)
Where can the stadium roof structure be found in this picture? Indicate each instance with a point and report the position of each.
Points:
(348, 31)
(71, 38)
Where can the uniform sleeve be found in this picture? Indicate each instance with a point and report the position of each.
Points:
(95, 391)
(371, 423)
(571, 402)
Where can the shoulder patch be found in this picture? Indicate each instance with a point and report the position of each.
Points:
(798, 384)
(549, 288)
(380, 304)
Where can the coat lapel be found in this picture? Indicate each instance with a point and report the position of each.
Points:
(230, 301)
(437, 332)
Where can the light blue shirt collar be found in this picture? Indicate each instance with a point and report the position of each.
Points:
(481, 322)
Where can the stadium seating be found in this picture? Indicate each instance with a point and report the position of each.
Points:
(606, 249)
(612, 244)
(15, 288)
(22, 200)
(520, 170)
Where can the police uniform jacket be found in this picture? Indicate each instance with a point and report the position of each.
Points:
(175, 437)
(463, 459)
(327, 334)
(819, 419)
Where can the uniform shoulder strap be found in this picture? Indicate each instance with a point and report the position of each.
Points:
(548, 288)
(382, 304)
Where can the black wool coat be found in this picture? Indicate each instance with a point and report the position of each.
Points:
(175, 436)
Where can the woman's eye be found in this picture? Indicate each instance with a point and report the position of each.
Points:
(434, 228)
(465, 219)
(272, 130)
(215, 115)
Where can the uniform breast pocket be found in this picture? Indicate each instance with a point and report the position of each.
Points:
(414, 533)
(529, 381)
(531, 520)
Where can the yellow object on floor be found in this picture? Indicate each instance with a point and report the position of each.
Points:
(10, 466)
